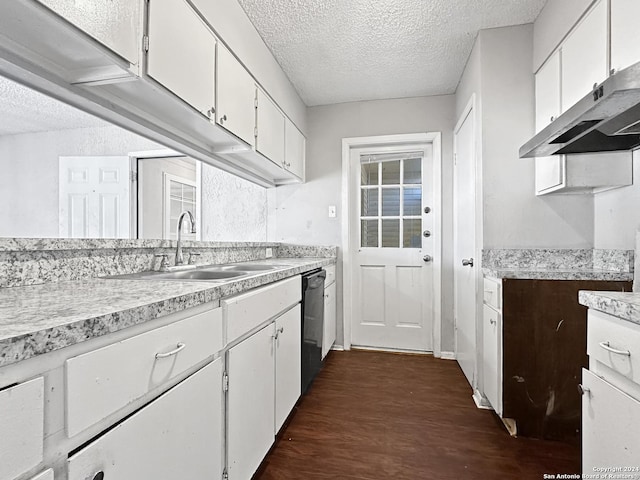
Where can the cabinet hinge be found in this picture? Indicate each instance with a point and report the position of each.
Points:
(255, 102)
(225, 382)
(145, 43)
(455, 158)
(225, 474)
(133, 176)
(255, 131)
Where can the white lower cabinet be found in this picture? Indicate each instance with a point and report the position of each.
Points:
(288, 375)
(329, 333)
(492, 357)
(610, 437)
(250, 403)
(176, 436)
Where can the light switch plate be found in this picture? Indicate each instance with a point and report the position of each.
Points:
(269, 252)
(332, 211)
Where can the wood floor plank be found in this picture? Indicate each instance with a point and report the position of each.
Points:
(372, 415)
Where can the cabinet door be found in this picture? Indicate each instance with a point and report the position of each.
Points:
(250, 403)
(295, 144)
(548, 92)
(609, 419)
(625, 34)
(329, 334)
(584, 56)
(549, 173)
(491, 364)
(236, 97)
(288, 358)
(182, 53)
(270, 129)
(178, 435)
(114, 23)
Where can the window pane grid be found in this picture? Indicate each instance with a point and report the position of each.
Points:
(394, 189)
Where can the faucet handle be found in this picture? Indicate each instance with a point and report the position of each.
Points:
(191, 257)
(164, 264)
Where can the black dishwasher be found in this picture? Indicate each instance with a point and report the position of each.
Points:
(312, 325)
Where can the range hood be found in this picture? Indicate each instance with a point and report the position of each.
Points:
(606, 120)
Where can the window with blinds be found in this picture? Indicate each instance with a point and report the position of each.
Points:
(391, 200)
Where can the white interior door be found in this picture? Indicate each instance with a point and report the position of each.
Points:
(393, 284)
(94, 197)
(464, 272)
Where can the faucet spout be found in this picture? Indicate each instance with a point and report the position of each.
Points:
(192, 220)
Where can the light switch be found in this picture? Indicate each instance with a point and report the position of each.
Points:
(332, 211)
(268, 252)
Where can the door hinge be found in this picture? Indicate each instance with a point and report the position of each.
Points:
(145, 43)
(225, 474)
(225, 382)
(133, 176)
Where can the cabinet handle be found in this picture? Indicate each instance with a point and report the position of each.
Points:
(278, 332)
(178, 348)
(583, 390)
(552, 118)
(608, 348)
(492, 321)
(99, 475)
(223, 119)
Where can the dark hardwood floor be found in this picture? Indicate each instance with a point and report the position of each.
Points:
(373, 415)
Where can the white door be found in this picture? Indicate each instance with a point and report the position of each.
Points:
(610, 437)
(177, 436)
(393, 284)
(464, 273)
(94, 197)
(250, 403)
(288, 338)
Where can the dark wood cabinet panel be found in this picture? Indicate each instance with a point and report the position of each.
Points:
(545, 348)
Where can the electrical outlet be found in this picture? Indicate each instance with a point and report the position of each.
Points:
(269, 252)
(332, 211)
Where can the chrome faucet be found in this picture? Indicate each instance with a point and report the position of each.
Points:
(179, 257)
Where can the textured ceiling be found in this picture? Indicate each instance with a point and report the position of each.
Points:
(23, 110)
(347, 50)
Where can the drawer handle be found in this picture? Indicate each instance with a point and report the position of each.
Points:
(178, 348)
(606, 346)
(492, 321)
(583, 390)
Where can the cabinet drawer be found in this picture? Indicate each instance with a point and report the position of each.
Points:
(492, 293)
(247, 311)
(21, 428)
(177, 436)
(614, 343)
(331, 275)
(101, 382)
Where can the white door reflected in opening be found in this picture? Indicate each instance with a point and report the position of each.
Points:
(393, 274)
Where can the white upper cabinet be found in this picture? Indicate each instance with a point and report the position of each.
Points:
(236, 97)
(295, 145)
(270, 129)
(182, 53)
(584, 56)
(548, 92)
(625, 34)
(114, 23)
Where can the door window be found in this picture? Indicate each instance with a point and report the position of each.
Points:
(391, 200)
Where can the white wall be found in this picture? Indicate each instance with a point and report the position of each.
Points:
(233, 209)
(499, 72)
(301, 210)
(231, 23)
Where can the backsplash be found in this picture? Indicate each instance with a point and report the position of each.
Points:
(36, 261)
(559, 259)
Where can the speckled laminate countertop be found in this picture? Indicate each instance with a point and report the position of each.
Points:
(557, 274)
(42, 318)
(625, 305)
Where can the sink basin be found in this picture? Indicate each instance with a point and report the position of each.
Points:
(243, 267)
(198, 275)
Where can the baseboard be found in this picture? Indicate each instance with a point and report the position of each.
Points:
(447, 355)
(481, 401)
(338, 348)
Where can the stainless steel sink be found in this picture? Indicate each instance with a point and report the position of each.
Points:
(198, 275)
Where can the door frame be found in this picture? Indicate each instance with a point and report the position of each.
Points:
(471, 109)
(348, 253)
